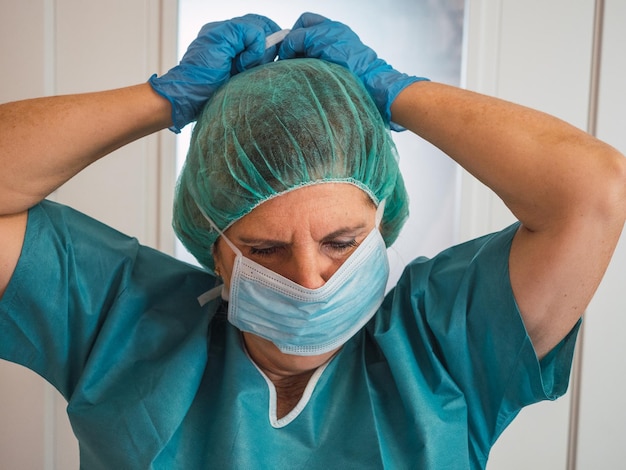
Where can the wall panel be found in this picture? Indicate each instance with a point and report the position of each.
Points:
(602, 430)
(532, 54)
(103, 45)
(25, 59)
(73, 46)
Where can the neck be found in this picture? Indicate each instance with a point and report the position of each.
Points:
(289, 391)
(290, 374)
(279, 366)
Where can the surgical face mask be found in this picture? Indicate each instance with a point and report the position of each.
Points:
(302, 321)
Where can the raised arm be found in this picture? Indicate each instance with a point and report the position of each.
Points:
(47, 141)
(567, 188)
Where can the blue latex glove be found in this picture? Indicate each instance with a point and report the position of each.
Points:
(221, 50)
(318, 37)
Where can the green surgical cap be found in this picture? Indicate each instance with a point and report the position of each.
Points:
(278, 127)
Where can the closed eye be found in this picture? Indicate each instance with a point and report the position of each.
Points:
(342, 246)
(261, 252)
(336, 246)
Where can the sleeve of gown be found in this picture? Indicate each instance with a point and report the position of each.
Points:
(79, 290)
(460, 313)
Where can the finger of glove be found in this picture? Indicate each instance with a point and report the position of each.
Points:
(319, 42)
(249, 59)
(254, 54)
(331, 41)
(309, 19)
(264, 22)
(296, 42)
(255, 29)
(219, 43)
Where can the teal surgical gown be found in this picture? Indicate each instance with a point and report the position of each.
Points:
(155, 380)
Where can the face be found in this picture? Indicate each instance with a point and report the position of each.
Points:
(304, 235)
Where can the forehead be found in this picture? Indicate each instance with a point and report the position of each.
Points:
(317, 207)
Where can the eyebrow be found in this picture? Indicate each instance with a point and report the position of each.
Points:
(337, 233)
(344, 231)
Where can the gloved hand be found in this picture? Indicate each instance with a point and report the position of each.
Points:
(318, 37)
(221, 50)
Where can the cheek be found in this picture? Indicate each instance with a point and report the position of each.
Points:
(226, 276)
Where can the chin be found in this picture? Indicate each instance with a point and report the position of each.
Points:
(266, 355)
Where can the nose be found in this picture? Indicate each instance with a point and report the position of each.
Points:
(309, 268)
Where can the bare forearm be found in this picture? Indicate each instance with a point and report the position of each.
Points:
(567, 188)
(540, 166)
(46, 141)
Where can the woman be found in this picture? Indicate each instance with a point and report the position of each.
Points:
(289, 198)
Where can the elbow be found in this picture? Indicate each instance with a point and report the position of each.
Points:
(596, 197)
(619, 196)
(612, 190)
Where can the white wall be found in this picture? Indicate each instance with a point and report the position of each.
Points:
(535, 52)
(70, 46)
(602, 437)
(538, 53)
(524, 52)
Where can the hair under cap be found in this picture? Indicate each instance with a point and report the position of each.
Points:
(276, 128)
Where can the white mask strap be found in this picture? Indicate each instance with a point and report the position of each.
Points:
(380, 210)
(275, 38)
(216, 228)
